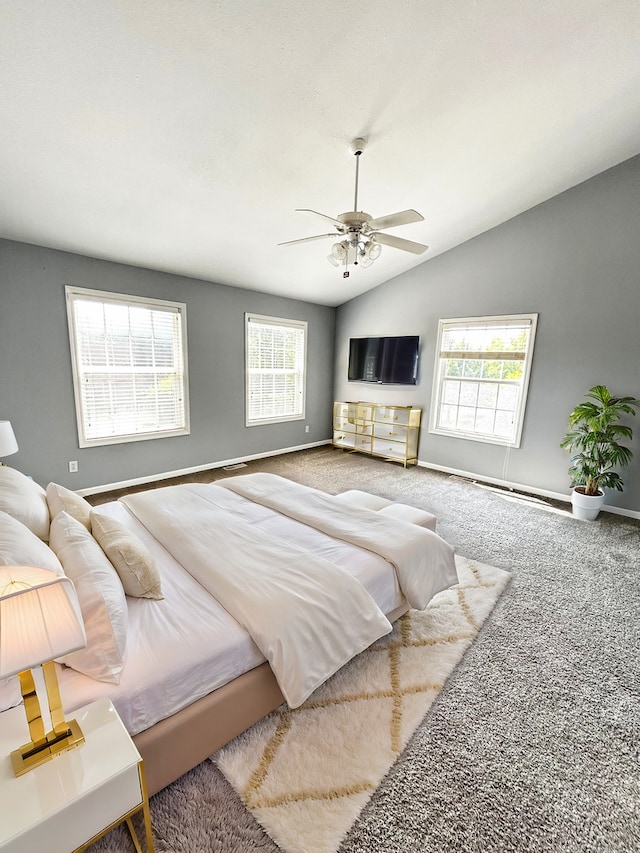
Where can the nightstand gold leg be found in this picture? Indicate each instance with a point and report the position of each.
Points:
(134, 837)
(147, 826)
(145, 808)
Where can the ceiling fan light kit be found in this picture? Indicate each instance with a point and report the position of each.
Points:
(362, 236)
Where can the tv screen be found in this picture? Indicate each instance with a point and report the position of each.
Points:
(388, 360)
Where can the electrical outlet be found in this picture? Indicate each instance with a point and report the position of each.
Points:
(306, 427)
(73, 467)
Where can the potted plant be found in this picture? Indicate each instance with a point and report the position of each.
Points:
(593, 439)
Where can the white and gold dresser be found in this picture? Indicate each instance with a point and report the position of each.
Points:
(387, 431)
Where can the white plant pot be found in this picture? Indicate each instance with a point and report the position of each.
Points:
(586, 507)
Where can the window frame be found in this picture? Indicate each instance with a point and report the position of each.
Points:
(280, 322)
(523, 384)
(73, 294)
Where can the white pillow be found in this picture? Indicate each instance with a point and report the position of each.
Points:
(101, 597)
(10, 693)
(25, 500)
(130, 557)
(61, 499)
(20, 547)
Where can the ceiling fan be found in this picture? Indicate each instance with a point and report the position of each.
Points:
(362, 236)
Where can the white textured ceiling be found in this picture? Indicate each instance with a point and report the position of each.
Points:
(181, 135)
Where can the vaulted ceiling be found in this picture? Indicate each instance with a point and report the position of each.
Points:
(181, 135)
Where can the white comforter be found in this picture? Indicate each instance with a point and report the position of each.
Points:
(423, 561)
(307, 616)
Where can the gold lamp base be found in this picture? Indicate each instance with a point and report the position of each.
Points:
(64, 734)
(32, 754)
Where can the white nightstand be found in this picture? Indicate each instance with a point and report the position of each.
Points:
(72, 800)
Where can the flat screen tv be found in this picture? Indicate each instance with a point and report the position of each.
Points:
(386, 360)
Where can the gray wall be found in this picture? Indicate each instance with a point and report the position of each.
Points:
(575, 260)
(36, 390)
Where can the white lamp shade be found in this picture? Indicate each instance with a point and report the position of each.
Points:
(40, 618)
(8, 443)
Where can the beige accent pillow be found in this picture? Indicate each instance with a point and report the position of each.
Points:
(61, 499)
(410, 513)
(130, 557)
(101, 597)
(20, 547)
(25, 500)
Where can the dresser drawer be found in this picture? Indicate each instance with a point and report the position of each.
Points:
(365, 411)
(364, 427)
(390, 449)
(396, 432)
(390, 414)
(363, 442)
(341, 438)
(348, 411)
(341, 422)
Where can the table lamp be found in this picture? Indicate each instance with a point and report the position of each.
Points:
(8, 443)
(40, 619)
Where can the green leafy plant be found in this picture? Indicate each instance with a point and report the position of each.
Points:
(594, 436)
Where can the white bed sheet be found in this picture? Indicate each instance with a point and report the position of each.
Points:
(186, 645)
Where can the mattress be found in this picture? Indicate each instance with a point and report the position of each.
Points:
(187, 645)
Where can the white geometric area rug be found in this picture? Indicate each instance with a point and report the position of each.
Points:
(306, 774)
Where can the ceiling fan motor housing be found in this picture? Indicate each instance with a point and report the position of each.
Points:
(354, 218)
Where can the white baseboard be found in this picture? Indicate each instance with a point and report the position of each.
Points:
(519, 487)
(167, 475)
(467, 475)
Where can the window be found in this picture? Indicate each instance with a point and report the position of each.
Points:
(276, 355)
(129, 367)
(481, 377)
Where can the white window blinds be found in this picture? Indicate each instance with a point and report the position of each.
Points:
(482, 375)
(275, 369)
(129, 361)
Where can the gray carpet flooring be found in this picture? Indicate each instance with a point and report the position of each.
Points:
(534, 742)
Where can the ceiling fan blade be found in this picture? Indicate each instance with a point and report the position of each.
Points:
(399, 243)
(404, 217)
(336, 222)
(307, 239)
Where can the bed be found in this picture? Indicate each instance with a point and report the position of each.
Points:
(185, 673)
